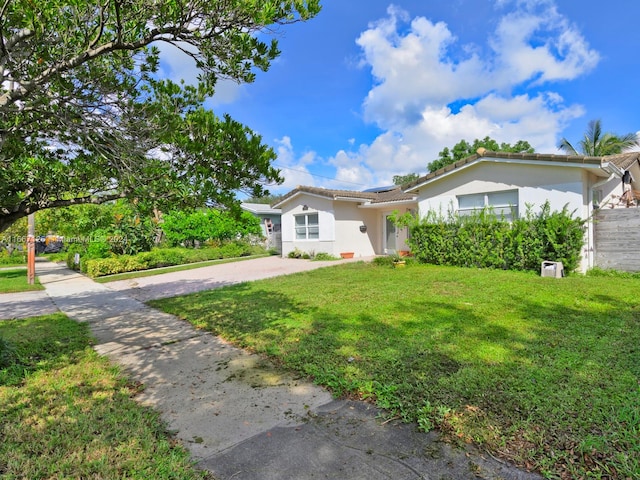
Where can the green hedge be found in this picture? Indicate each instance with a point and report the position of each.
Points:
(13, 258)
(483, 240)
(162, 257)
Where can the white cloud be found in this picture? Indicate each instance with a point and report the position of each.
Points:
(294, 169)
(536, 40)
(427, 94)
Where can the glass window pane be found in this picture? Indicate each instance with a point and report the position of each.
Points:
(503, 198)
(471, 201)
(301, 233)
(466, 212)
(506, 212)
(306, 226)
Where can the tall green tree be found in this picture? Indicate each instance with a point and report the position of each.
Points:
(265, 200)
(84, 117)
(595, 143)
(463, 149)
(188, 228)
(402, 179)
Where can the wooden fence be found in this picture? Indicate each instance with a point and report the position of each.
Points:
(617, 239)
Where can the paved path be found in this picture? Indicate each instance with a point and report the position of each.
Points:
(241, 418)
(215, 276)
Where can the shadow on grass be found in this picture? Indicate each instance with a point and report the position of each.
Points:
(550, 378)
(40, 343)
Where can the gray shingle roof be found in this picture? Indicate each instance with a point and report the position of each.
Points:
(624, 160)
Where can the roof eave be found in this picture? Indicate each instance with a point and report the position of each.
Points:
(593, 163)
(297, 194)
(391, 203)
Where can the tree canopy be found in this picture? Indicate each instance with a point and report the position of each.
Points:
(463, 149)
(85, 117)
(402, 179)
(595, 143)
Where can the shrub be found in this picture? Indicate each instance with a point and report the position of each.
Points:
(109, 266)
(483, 240)
(98, 250)
(14, 257)
(323, 256)
(163, 257)
(295, 253)
(188, 229)
(231, 250)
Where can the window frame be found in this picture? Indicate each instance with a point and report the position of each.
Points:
(499, 209)
(308, 227)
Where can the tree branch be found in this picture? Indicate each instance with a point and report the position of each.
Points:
(7, 219)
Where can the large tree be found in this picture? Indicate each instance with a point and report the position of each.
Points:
(402, 179)
(463, 149)
(595, 143)
(85, 118)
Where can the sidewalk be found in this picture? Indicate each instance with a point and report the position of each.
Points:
(239, 416)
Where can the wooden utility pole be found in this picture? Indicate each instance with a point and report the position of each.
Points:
(31, 249)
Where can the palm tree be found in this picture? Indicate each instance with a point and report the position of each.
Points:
(598, 144)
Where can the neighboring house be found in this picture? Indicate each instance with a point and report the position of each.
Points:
(269, 221)
(332, 221)
(318, 220)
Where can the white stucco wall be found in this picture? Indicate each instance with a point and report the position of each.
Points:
(535, 184)
(560, 185)
(349, 238)
(324, 208)
(339, 225)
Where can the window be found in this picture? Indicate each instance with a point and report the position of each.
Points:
(307, 227)
(502, 204)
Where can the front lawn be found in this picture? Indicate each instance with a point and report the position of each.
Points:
(15, 280)
(66, 413)
(543, 372)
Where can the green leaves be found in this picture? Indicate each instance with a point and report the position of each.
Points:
(80, 97)
(483, 240)
(596, 144)
(463, 149)
(187, 228)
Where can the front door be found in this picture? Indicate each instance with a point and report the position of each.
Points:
(390, 236)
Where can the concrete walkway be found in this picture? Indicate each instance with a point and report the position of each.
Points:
(239, 416)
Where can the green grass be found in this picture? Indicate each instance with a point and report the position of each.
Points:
(175, 268)
(15, 280)
(66, 413)
(543, 372)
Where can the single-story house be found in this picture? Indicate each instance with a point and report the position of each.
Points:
(331, 220)
(343, 221)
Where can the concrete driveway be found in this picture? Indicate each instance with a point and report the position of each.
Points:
(215, 276)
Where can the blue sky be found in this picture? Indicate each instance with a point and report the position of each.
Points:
(370, 89)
